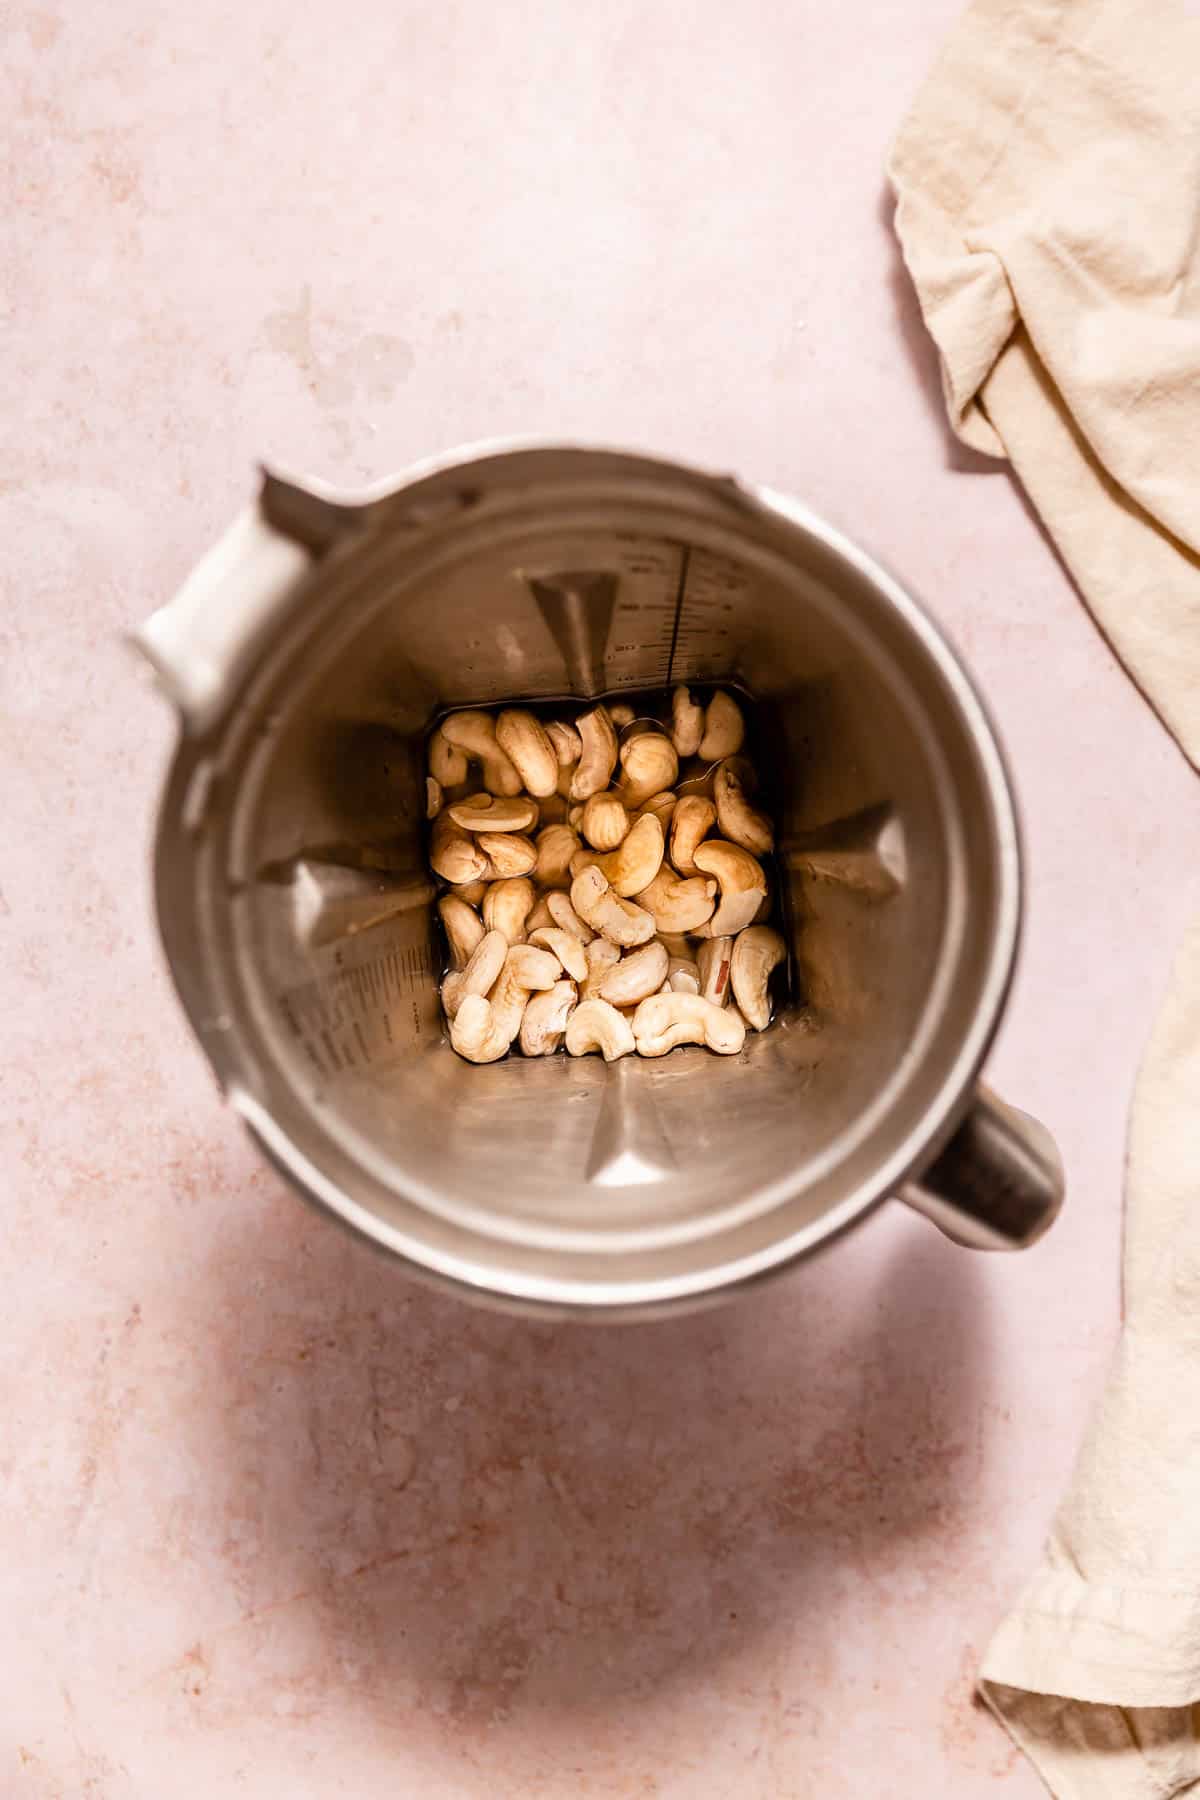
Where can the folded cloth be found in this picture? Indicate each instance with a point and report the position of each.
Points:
(1048, 205)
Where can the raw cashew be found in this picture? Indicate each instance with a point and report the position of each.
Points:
(606, 912)
(742, 881)
(676, 903)
(453, 854)
(583, 859)
(693, 817)
(663, 808)
(739, 821)
(666, 1020)
(640, 973)
(447, 765)
(482, 812)
(529, 749)
(472, 891)
(507, 905)
(756, 951)
(724, 728)
(568, 949)
(482, 1030)
(510, 853)
(663, 866)
(564, 914)
(595, 1025)
(474, 733)
(598, 757)
(474, 1033)
(545, 1019)
(556, 845)
(604, 821)
(568, 746)
(635, 863)
(462, 926)
(683, 977)
(601, 957)
(540, 917)
(687, 722)
(649, 765)
(478, 974)
(712, 960)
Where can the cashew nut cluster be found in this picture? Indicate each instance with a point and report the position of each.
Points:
(606, 883)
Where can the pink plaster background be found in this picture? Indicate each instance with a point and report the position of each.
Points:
(273, 1521)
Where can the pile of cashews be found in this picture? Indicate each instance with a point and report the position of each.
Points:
(634, 920)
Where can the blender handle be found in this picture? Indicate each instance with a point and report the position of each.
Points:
(203, 640)
(997, 1184)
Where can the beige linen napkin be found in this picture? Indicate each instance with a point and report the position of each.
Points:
(1048, 188)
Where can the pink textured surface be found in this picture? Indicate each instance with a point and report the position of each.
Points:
(274, 1521)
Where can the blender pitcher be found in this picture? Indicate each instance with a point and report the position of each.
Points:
(307, 656)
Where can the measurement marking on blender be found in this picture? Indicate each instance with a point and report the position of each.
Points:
(360, 1012)
(645, 623)
(685, 558)
(608, 613)
(713, 587)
